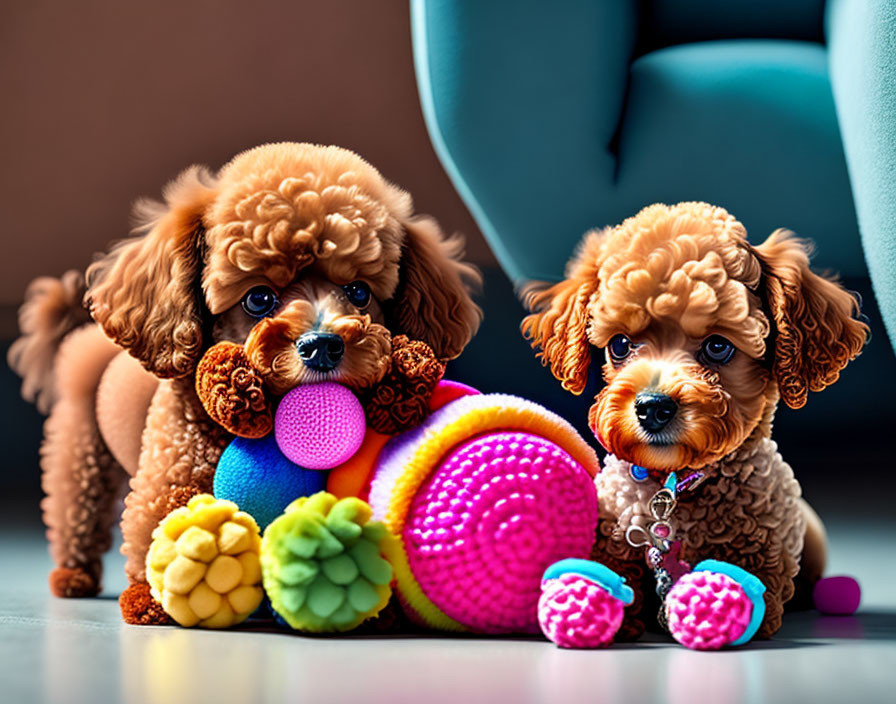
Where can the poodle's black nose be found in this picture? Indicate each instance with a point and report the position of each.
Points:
(654, 411)
(320, 351)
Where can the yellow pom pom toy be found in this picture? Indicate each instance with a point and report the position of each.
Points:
(203, 565)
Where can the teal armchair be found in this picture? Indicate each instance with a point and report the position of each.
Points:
(553, 118)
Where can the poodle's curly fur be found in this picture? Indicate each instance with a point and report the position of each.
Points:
(668, 279)
(302, 220)
(232, 391)
(401, 400)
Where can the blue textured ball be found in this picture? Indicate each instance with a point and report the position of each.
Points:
(258, 478)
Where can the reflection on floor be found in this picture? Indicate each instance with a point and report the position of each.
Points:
(72, 651)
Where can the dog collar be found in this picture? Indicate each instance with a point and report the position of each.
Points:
(642, 474)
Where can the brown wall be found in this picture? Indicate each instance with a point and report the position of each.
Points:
(102, 101)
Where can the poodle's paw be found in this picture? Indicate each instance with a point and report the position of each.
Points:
(632, 628)
(323, 566)
(401, 400)
(582, 604)
(232, 392)
(73, 583)
(203, 566)
(716, 605)
(138, 608)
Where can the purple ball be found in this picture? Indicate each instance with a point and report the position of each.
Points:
(837, 596)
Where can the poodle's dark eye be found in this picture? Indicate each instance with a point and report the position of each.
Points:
(620, 347)
(358, 293)
(259, 302)
(717, 349)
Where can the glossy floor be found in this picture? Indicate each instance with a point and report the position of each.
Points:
(71, 651)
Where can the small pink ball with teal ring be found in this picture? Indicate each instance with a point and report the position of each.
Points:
(582, 603)
(716, 605)
(319, 426)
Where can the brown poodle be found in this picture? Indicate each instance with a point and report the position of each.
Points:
(303, 252)
(702, 334)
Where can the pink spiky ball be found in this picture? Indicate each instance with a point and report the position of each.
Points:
(319, 426)
(707, 610)
(575, 612)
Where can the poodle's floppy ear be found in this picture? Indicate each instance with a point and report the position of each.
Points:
(432, 302)
(816, 330)
(143, 293)
(559, 321)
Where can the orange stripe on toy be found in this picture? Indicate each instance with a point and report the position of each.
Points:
(350, 478)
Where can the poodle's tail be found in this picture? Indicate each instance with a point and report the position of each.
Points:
(52, 309)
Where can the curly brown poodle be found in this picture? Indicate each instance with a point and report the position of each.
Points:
(304, 253)
(702, 334)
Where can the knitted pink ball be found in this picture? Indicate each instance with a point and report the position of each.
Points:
(707, 610)
(485, 525)
(319, 426)
(575, 612)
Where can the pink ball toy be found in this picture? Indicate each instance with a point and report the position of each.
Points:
(575, 612)
(319, 426)
(486, 524)
(708, 610)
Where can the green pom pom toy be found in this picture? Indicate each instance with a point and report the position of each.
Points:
(322, 564)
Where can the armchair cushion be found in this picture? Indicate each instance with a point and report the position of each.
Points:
(748, 125)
